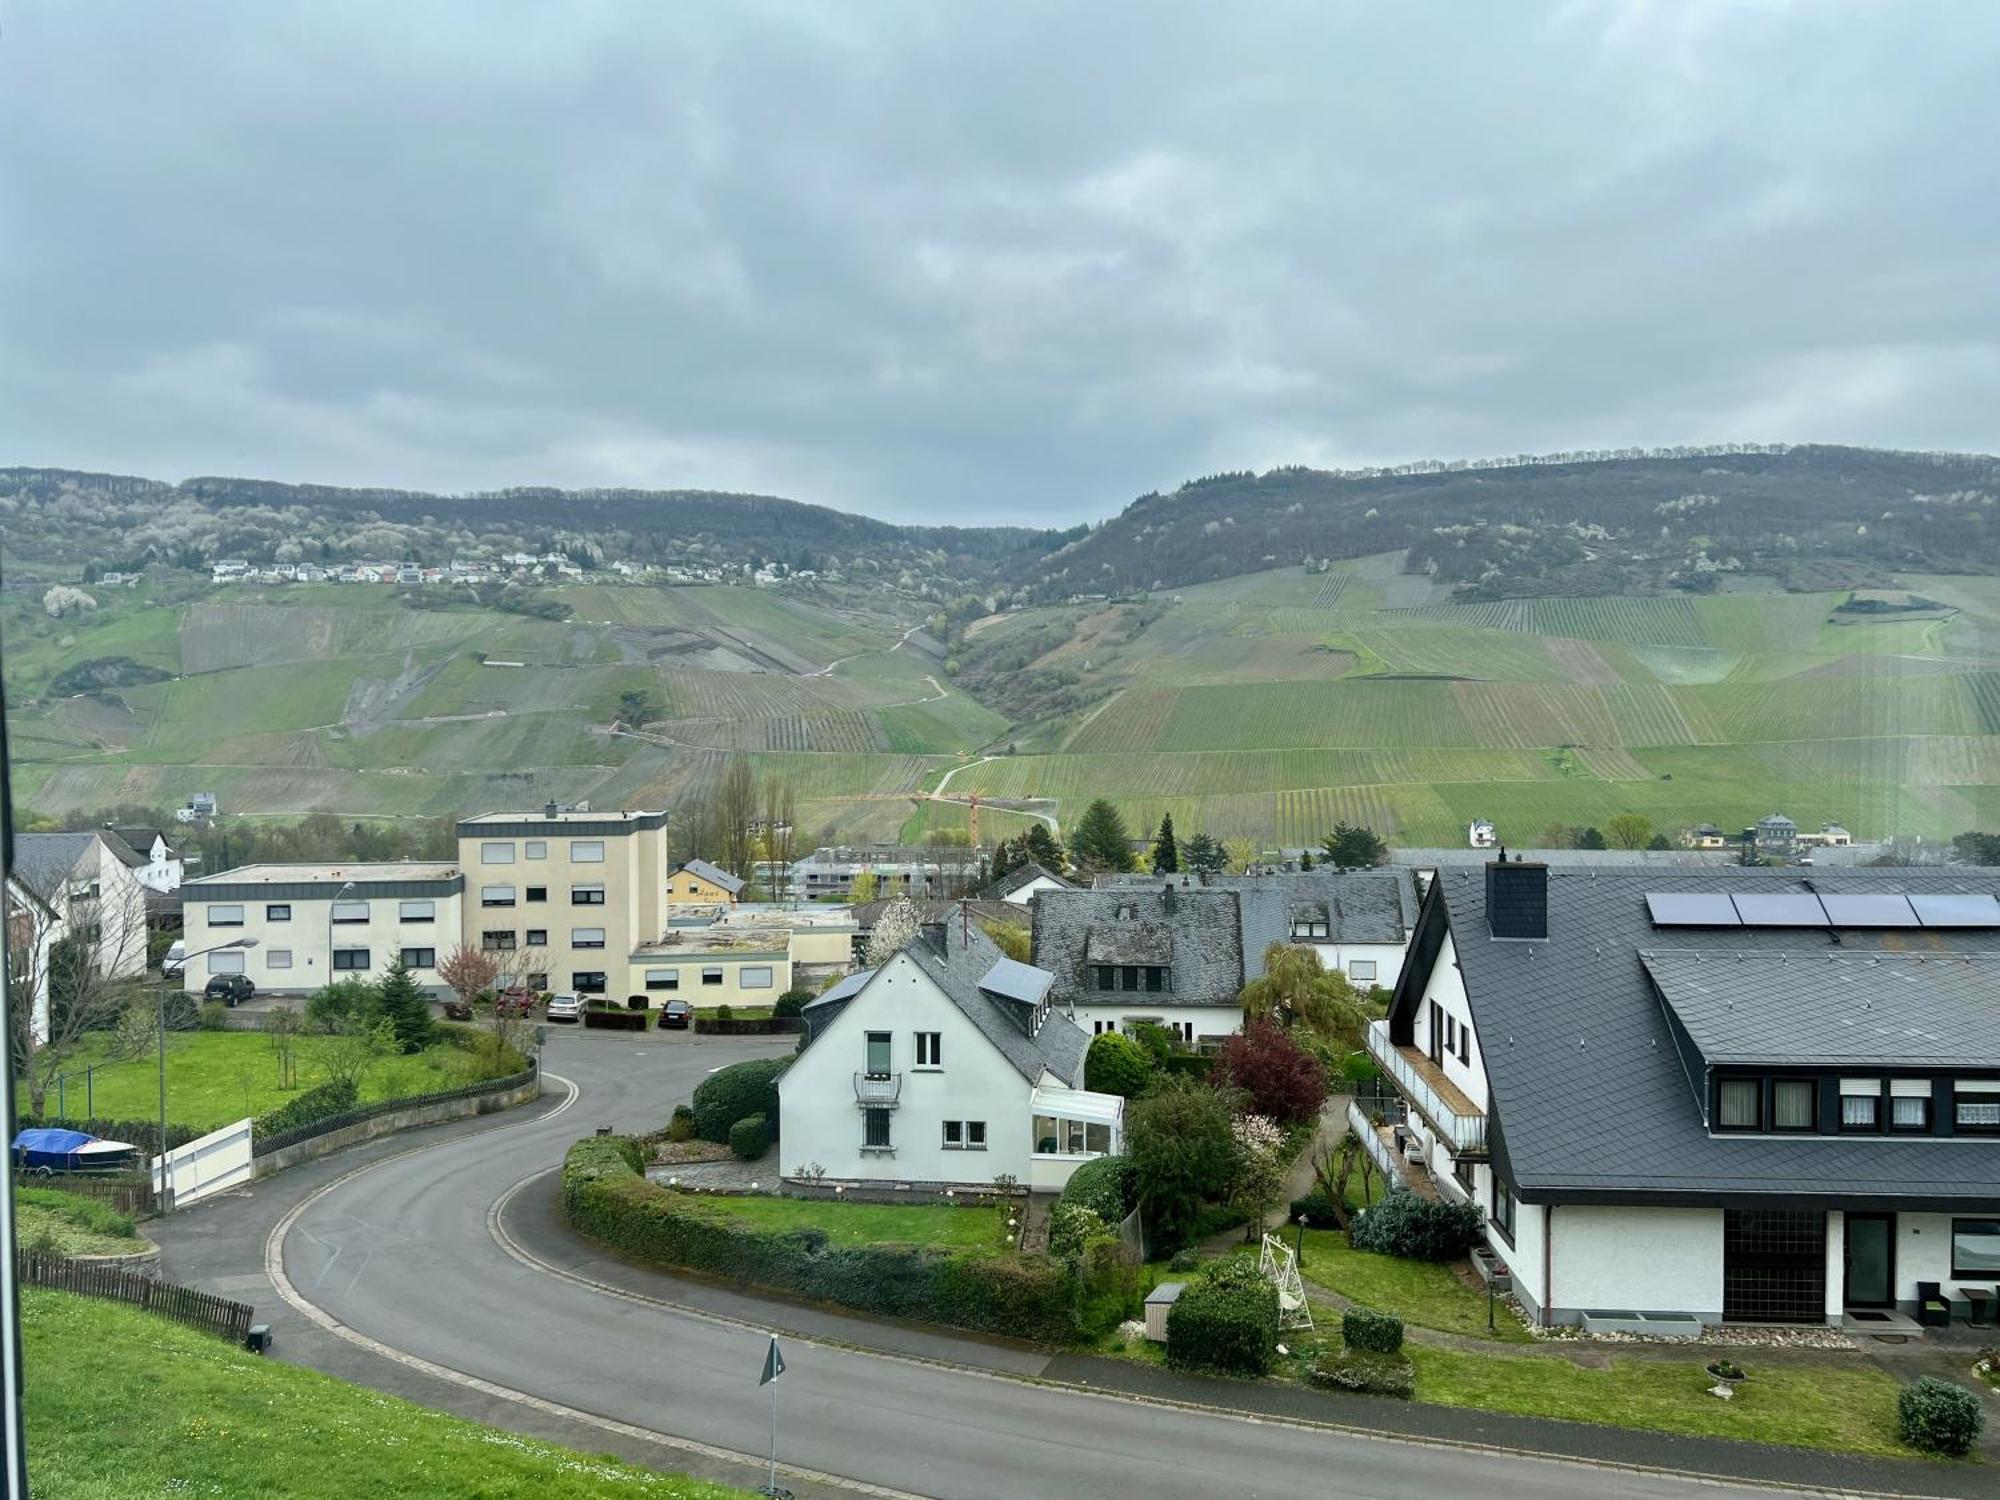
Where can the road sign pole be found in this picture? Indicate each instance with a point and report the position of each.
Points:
(772, 1487)
(774, 1366)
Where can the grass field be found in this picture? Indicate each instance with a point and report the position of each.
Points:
(196, 1416)
(872, 1223)
(1416, 1291)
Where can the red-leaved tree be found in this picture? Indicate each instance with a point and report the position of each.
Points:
(1282, 1079)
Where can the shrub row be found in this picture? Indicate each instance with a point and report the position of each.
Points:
(607, 1198)
(264, 1145)
(335, 1097)
(1415, 1228)
(1368, 1373)
(747, 1025)
(1376, 1332)
(1225, 1319)
(1189, 1064)
(604, 1018)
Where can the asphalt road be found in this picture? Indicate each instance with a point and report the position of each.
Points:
(402, 1274)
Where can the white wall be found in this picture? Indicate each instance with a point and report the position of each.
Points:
(305, 937)
(1028, 892)
(1524, 1256)
(1445, 991)
(1204, 1020)
(822, 1123)
(1923, 1253)
(1638, 1259)
(120, 911)
(1387, 958)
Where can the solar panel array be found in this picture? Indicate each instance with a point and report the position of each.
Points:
(1834, 909)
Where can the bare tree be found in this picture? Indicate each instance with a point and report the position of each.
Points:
(349, 1052)
(64, 980)
(736, 807)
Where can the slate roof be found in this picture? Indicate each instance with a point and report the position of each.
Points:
(713, 875)
(1590, 1097)
(43, 861)
(957, 956)
(867, 913)
(1130, 943)
(1003, 886)
(1071, 927)
(141, 839)
(127, 853)
(1361, 906)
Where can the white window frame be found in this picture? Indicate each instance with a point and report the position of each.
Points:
(348, 913)
(712, 975)
(975, 1135)
(498, 852)
(225, 916)
(663, 980)
(930, 1049)
(589, 894)
(954, 1135)
(277, 958)
(416, 911)
(497, 896)
(535, 849)
(404, 955)
(1356, 966)
(586, 937)
(272, 908)
(586, 851)
(754, 977)
(367, 961)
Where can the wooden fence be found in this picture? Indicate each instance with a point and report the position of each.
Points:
(217, 1315)
(129, 1195)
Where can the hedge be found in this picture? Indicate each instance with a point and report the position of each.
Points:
(1317, 1210)
(1189, 1064)
(1368, 1374)
(604, 1018)
(1117, 1065)
(792, 1002)
(1376, 1332)
(145, 1134)
(1416, 1228)
(315, 1104)
(749, 1137)
(739, 1090)
(747, 1025)
(1937, 1416)
(1225, 1319)
(607, 1198)
(1104, 1186)
(264, 1145)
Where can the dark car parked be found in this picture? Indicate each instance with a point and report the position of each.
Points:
(230, 989)
(676, 1015)
(516, 1000)
(457, 1010)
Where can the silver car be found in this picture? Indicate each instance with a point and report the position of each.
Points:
(565, 1008)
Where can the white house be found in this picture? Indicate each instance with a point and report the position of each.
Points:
(93, 891)
(159, 866)
(945, 1067)
(1480, 834)
(33, 926)
(1726, 1095)
(1023, 883)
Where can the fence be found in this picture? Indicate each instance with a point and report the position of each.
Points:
(217, 1315)
(264, 1145)
(219, 1160)
(129, 1195)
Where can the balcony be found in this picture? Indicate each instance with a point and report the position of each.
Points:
(878, 1090)
(1460, 1122)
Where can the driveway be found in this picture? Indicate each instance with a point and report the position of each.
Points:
(433, 1265)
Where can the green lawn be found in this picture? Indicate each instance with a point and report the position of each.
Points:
(193, 1415)
(216, 1077)
(79, 1225)
(872, 1223)
(1847, 1407)
(1426, 1295)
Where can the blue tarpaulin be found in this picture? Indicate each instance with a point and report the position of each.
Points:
(45, 1148)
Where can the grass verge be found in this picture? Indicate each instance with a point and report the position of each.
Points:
(1418, 1292)
(941, 1227)
(78, 1225)
(193, 1415)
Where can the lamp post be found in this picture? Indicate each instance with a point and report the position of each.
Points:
(1299, 1241)
(163, 1200)
(331, 907)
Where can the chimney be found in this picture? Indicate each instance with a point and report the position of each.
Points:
(938, 936)
(549, 811)
(1167, 898)
(1517, 899)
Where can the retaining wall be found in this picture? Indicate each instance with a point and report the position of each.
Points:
(400, 1119)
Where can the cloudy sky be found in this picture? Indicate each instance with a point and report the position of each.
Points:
(978, 263)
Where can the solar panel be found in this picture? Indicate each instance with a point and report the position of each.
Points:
(1867, 909)
(1691, 909)
(1780, 909)
(1957, 911)
(1017, 981)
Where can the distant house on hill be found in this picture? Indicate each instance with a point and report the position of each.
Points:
(1480, 834)
(1705, 836)
(1775, 834)
(699, 883)
(1021, 884)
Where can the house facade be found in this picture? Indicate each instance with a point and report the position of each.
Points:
(159, 866)
(945, 1067)
(90, 884)
(1730, 1095)
(1020, 886)
(699, 883)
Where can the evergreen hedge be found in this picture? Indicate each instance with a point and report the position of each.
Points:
(1415, 1228)
(315, 1104)
(1376, 1332)
(749, 1138)
(1104, 1186)
(607, 1197)
(1225, 1319)
(735, 1093)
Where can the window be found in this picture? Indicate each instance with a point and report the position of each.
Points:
(1910, 1104)
(930, 1049)
(954, 1135)
(537, 937)
(754, 977)
(496, 854)
(537, 893)
(277, 958)
(875, 1136)
(1450, 1033)
(975, 1135)
(878, 1054)
(496, 895)
(1097, 1139)
(586, 895)
(1361, 970)
(1156, 979)
(277, 911)
(1975, 1249)
(416, 911)
(586, 851)
(350, 911)
(1104, 973)
(420, 958)
(538, 981)
(1465, 1045)
(1976, 1105)
(586, 937)
(1072, 1137)
(1795, 1104)
(1128, 976)
(350, 960)
(587, 981)
(1861, 1104)
(663, 979)
(225, 916)
(535, 849)
(1503, 1209)
(226, 963)
(1740, 1104)
(496, 942)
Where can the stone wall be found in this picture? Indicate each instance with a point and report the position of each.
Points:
(392, 1121)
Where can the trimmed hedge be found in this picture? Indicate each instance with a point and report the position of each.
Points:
(1104, 1186)
(315, 1104)
(1117, 1065)
(1375, 1332)
(605, 1018)
(737, 1091)
(1414, 1228)
(1367, 1374)
(1937, 1416)
(264, 1145)
(1189, 1064)
(747, 1025)
(1225, 1319)
(607, 1198)
(749, 1138)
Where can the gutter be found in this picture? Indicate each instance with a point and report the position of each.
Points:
(1548, 1264)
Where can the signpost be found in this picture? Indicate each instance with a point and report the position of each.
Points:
(774, 1366)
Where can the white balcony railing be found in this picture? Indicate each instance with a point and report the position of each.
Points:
(877, 1090)
(1422, 1082)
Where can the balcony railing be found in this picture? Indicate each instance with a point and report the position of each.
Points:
(1440, 1101)
(877, 1090)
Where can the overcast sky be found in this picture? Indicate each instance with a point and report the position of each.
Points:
(982, 263)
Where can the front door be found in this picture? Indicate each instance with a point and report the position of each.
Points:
(1871, 1260)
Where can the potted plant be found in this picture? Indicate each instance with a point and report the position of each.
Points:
(1728, 1372)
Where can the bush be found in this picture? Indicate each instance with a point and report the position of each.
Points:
(1414, 1228)
(1376, 1332)
(1103, 1185)
(793, 1003)
(745, 1088)
(607, 1197)
(1368, 1374)
(1116, 1065)
(681, 1126)
(1283, 1080)
(725, 1012)
(747, 1026)
(315, 1104)
(749, 1138)
(214, 1016)
(1936, 1416)
(1155, 1039)
(1183, 1152)
(1197, 1065)
(1185, 1260)
(344, 1002)
(605, 1017)
(1317, 1210)
(1224, 1320)
(1070, 1225)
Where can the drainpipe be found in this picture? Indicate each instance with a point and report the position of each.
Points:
(1548, 1265)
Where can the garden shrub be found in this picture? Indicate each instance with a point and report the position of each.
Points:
(793, 1003)
(1225, 1319)
(1283, 1080)
(1104, 1186)
(749, 1138)
(1070, 1225)
(321, 1102)
(725, 1012)
(1181, 1140)
(1367, 1373)
(1317, 1210)
(1108, 1286)
(1156, 1040)
(607, 1198)
(745, 1088)
(1185, 1260)
(214, 1016)
(1376, 1332)
(1415, 1228)
(1189, 1065)
(1116, 1065)
(681, 1126)
(1937, 1416)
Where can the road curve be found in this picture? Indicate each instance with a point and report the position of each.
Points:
(406, 1257)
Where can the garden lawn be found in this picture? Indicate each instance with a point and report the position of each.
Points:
(1842, 1406)
(217, 1077)
(79, 1225)
(942, 1227)
(195, 1415)
(1418, 1292)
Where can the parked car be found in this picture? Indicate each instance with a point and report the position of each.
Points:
(676, 1015)
(456, 1009)
(230, 989)
(565, 1008)
(175, 959)
(517, 1000)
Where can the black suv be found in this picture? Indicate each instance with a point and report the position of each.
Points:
(231, 989)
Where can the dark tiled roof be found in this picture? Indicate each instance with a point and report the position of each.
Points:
(1130, 943)
(958, 958)
(43, 861)
(868, 913)
(1589, 1092)
(1003, 886)
(1071, 927)
(714, 875)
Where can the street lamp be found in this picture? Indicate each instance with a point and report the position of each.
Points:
(164, 1199)
(331, 907)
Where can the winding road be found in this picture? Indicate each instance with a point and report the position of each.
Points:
(434, 1265)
